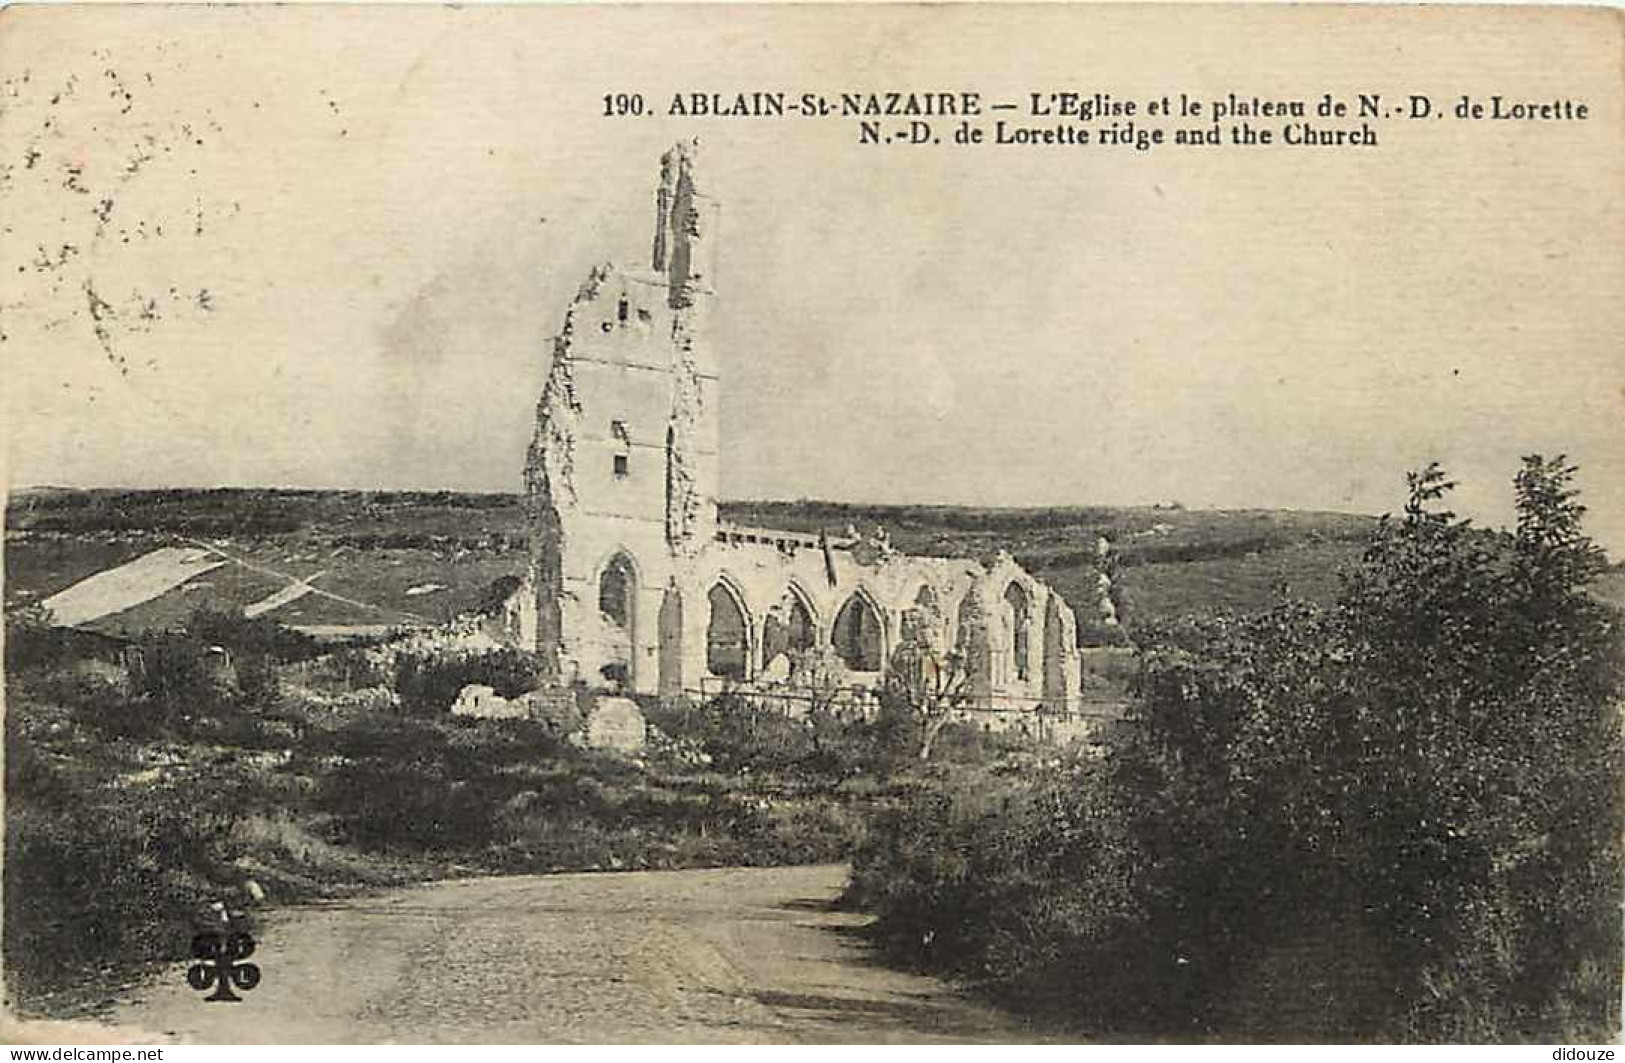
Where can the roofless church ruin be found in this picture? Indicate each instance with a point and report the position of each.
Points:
(635, 585)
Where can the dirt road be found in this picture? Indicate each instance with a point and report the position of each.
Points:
(732, 955)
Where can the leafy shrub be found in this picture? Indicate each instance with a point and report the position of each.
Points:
(33, 644)
(739, 733)
(351, 668)
(96, 874)
(1028, 887)
(403, 784)
(1395, 818)
(428, 684)
(258, 637)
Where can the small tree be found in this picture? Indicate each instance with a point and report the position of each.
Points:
(926, 681)
(1555, 557)
(817, 675)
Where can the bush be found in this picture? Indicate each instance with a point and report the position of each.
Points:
(411, 785)
(96, 876)
(1397, 818)
(428, 683)
(260, 638)
(1027, 887)
(739, 733)
(34, 645)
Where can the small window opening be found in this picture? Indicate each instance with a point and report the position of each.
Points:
(622, 310)
(619, 432)
(621, 467)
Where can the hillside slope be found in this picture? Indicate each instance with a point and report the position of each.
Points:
(373, 559)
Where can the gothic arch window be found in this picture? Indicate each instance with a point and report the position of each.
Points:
(727, 634)
(857, 635)
(923, 617)
(969, 623)
(1021, 628)
(789, 626)
(617, 614)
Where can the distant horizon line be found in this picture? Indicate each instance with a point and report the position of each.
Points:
(1169, 506)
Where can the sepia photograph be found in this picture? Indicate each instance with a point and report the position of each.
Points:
(788, 523)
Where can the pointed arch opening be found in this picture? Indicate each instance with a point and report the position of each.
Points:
(727, 633)
(788, 628)
(923, 618)
(970, 631)
(857, 635)
(1020, 605)
(617, 618)
(973, 643)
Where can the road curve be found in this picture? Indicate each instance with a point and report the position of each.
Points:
(733, 955)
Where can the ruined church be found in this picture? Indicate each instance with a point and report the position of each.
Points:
(635, 584)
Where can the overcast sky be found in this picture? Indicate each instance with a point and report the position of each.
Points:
(373, 220)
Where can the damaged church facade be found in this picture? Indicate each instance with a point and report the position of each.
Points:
(635, 585)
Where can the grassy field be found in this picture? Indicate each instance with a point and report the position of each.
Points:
(372, 548)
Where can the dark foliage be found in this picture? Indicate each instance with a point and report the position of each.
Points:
(1395, 818)
(260, 636)
(403, 784)
(428, 684)
(131, 811)
(94, 875)
(820, 740)
(493, 542)
(244, 511)
(33, 644)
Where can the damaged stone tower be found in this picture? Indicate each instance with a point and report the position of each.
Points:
(622, 471)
